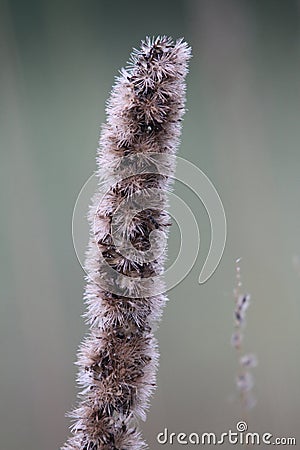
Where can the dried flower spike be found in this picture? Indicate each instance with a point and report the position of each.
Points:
(118, 359)
(244, 380)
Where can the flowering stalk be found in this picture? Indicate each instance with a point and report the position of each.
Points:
(118, 359)
(244, 379)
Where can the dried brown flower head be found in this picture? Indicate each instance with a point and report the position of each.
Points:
(118, 359)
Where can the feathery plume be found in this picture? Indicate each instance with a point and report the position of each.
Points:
(129, 225)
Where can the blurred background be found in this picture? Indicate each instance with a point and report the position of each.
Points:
(58, 62)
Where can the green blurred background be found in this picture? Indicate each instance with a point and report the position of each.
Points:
(58, 62)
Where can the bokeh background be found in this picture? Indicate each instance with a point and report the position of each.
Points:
(58, 62)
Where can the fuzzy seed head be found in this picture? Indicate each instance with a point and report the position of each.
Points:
(129, 226)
